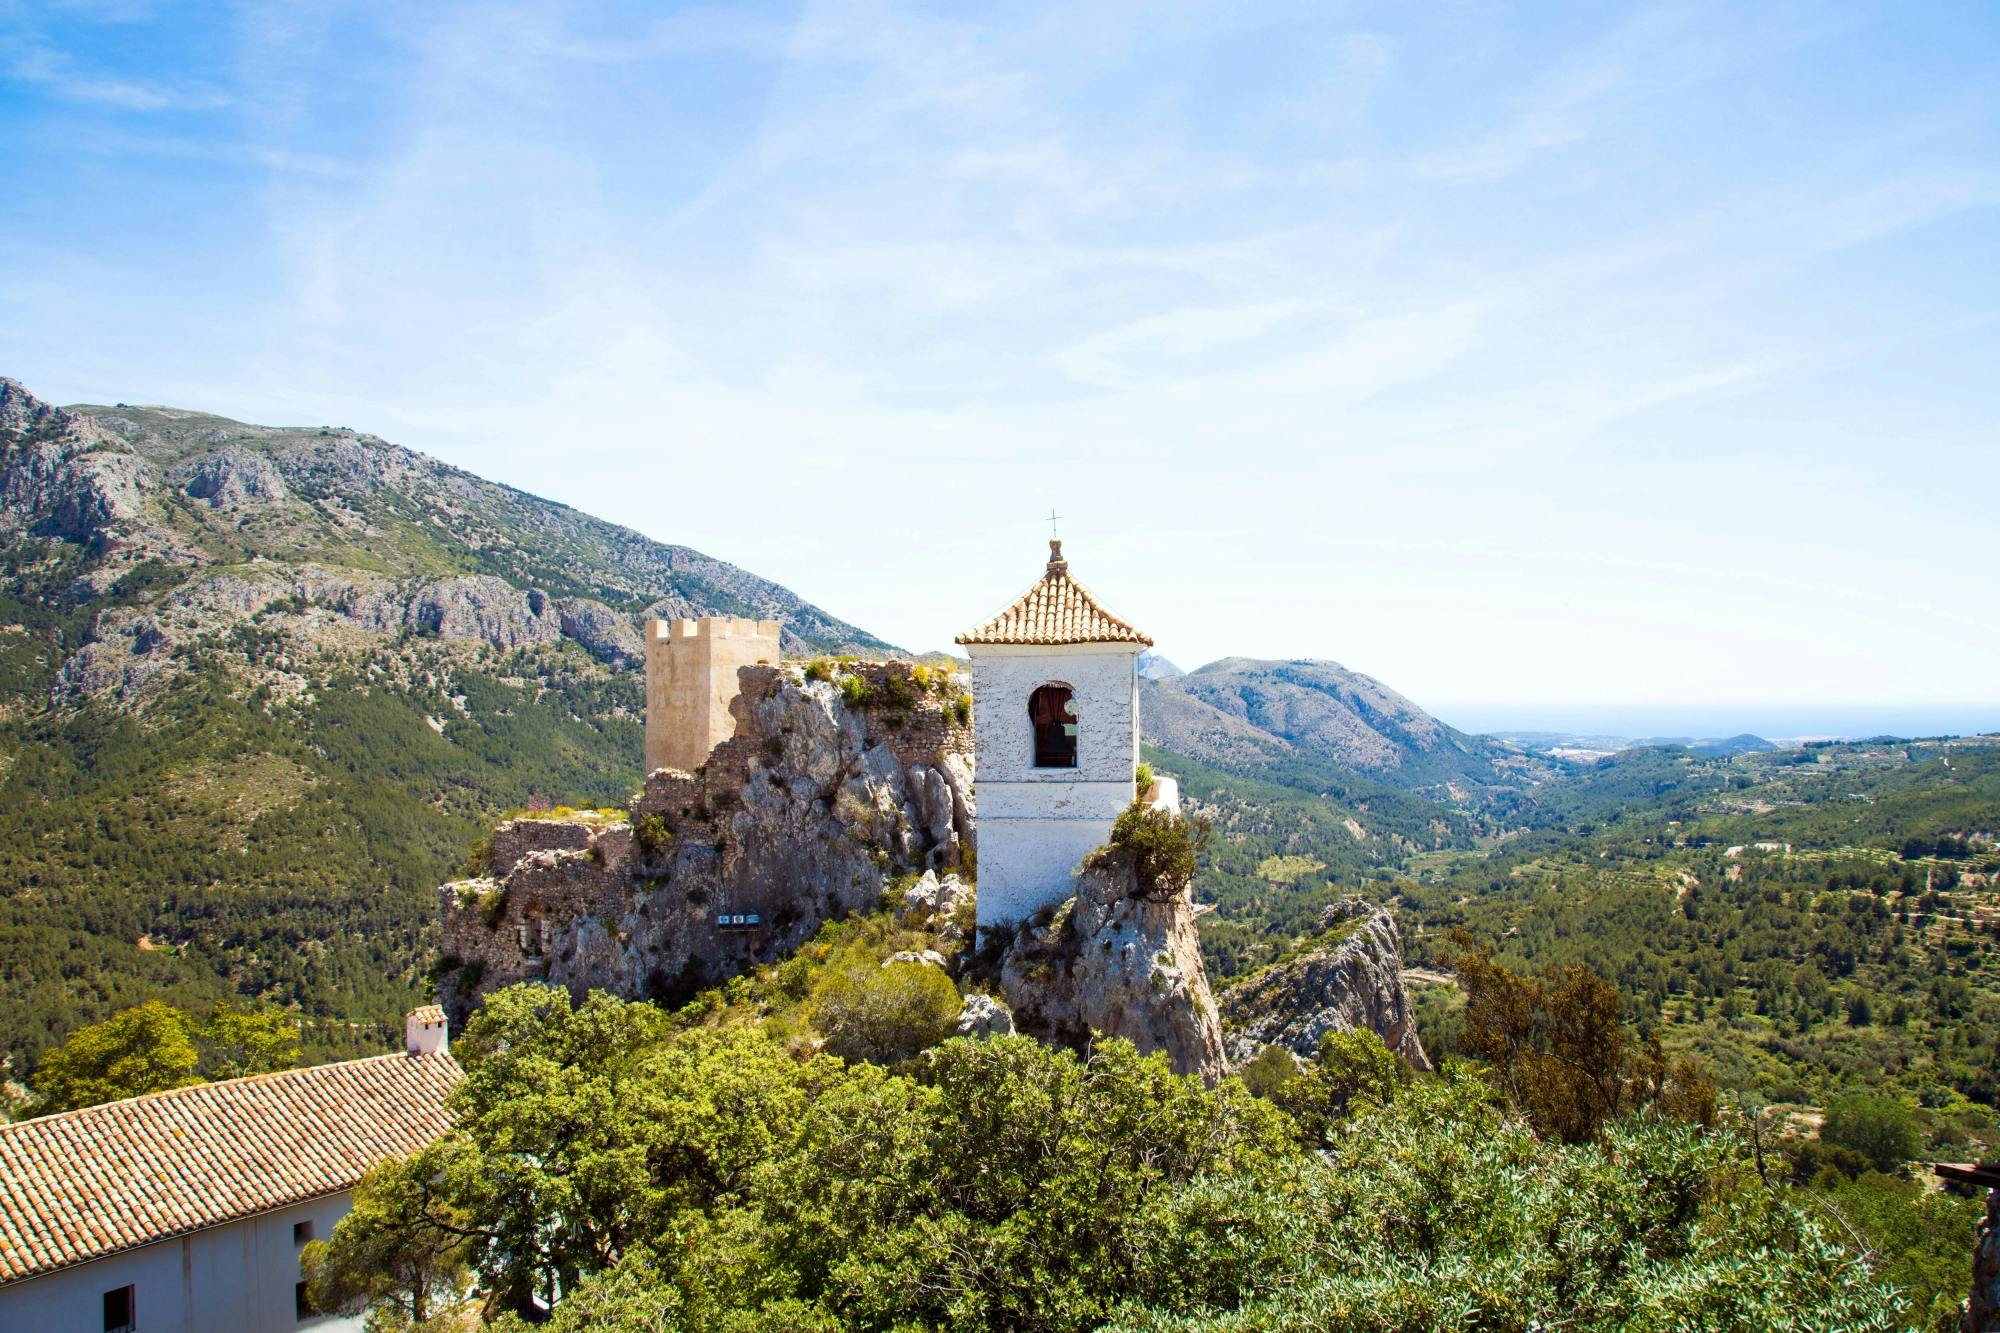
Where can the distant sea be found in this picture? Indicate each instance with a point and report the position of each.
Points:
(1778, 721)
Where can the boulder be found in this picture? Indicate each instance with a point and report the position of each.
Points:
(983, 1016)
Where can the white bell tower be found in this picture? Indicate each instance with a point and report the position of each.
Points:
(1055, 709)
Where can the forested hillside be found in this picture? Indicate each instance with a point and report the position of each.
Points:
(260, 689)
(1807, 921)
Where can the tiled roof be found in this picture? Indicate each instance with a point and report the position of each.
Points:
(1058, 609)
(83, 1184)
(427, 1013)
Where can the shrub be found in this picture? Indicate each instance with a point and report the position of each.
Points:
(898, 690)
(479, 860)
(961, 709)
(652, 832)
(855, 691)
(1879, 1128)
(1164, 847)
(1351, 1065)
(1142, 779)
(1273, 1068)
(819, 669)
(884, 1013)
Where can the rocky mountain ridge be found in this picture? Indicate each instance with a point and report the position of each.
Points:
(260, 687)
(330, 525)
(1350, 982)
(1263, 717)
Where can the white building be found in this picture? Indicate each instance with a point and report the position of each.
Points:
(185, 1211)
(1055, 707)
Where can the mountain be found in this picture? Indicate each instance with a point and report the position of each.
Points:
(1276, 718)
(1576, 745)
(1734, 745)
(1152, 666)
(261, 687)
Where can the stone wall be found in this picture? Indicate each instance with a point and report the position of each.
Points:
(805, 814)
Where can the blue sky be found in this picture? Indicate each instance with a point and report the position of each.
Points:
(1543, 362)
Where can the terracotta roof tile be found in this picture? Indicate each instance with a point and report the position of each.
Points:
(83, 1184)
(1056, 610)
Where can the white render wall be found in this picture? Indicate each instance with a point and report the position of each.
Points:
(240, 1276)
(1035, 824)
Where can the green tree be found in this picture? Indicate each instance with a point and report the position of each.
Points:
(1882, 1129)
(147, 1048)
(234, 1042)
(1445, 1212)
(601, 1116)
(1351, 1067)
(401, 1252)
(1271, 1070)
(1002, 1185)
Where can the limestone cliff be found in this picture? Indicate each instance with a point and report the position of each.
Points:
(1120, 961)
(821, 799)
(1353, 981)
(1981, 1313)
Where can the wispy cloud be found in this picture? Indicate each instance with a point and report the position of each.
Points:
(1211, 278)
(62, 76)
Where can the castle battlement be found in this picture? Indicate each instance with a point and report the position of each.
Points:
(716, 627)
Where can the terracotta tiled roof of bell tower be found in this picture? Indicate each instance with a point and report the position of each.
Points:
(1056, 610)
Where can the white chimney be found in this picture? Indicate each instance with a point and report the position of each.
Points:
(424, 1030)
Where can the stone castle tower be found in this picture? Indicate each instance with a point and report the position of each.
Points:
(690, 679)
(1055, 689)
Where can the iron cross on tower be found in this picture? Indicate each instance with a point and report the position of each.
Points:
(1053, 516)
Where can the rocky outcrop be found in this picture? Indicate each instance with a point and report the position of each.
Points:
(23, 415)
(983, 1016)
(1982, 1309)
(807, 814)
(1352, 981)
(61, 477)
(1117, 960)
(941, 906)
(477, 609)
(602, 632)
(232, 479)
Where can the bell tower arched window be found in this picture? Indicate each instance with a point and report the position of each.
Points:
(1052, 711)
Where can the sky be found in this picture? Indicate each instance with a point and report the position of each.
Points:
(1553, 364)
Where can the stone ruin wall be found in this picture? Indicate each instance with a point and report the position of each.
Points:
(806, 814)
